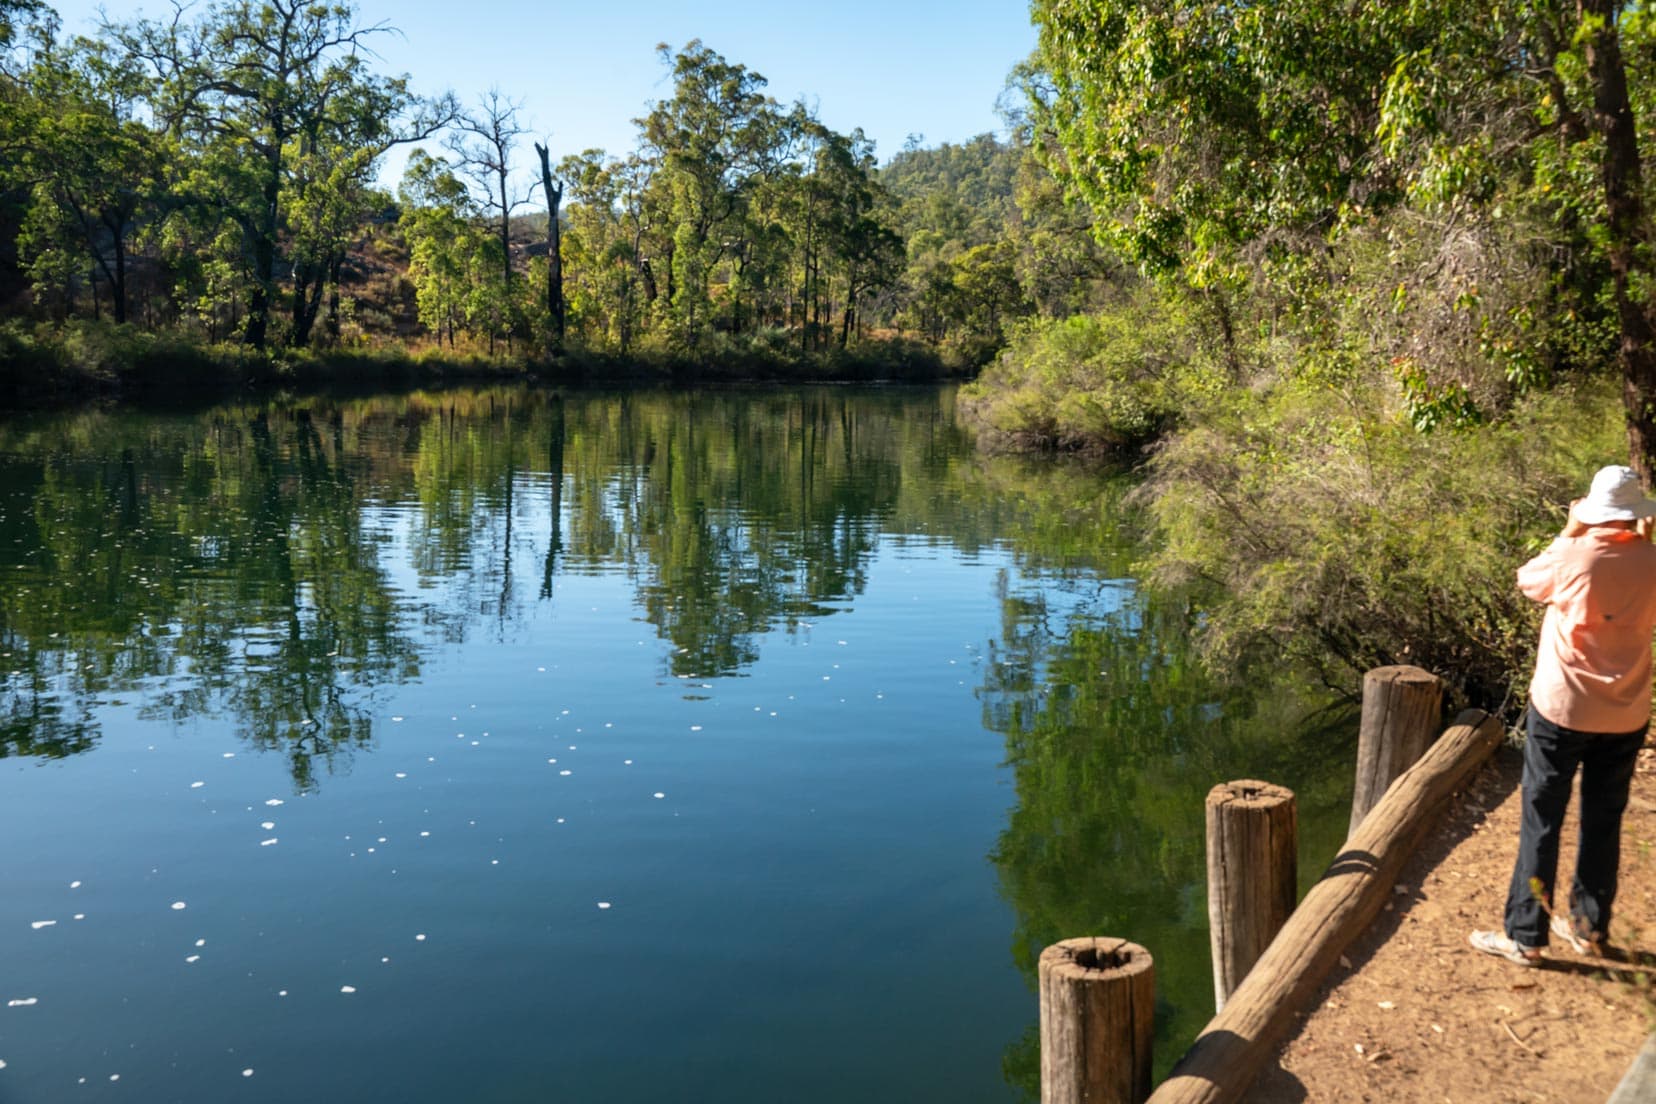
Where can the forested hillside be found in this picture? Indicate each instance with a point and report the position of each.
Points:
(215, 179)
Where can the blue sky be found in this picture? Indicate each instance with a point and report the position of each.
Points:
(583, 71)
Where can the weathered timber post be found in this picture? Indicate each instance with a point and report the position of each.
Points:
(1252, 869)
(1228, 1054)
(1401, 710)
(1098, 999)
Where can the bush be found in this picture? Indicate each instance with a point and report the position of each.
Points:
(1107, 383)
(1330, 529)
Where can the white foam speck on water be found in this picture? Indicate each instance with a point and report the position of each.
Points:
(402, 774)
(347, 988)
(603, 904)
(273, 802)
(74, 885)
(201, 943)
(565, 713)
(267, 825)
(540, 668)
(384, 959)
(564, 772)
(572, 746)
(177, 905)
(267, 843)
(494, 862)
(695, 728)
(197, 785)
(626, 762)
(114, 1077)
(841, 643)
(659, 794)
(420, 938)
(396, 718)
(551, 760)
(247, 1073)
(38, 924)
(23, 1002)
(229, 755)
(424, 834)
(281, 992)
(2, 1063)
(382, 839)
(609, 724)
(193, 958)
(80, 916)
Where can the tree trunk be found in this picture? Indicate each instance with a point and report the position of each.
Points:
(117, 285)
(333, 298)
(1625, 223)
(554, 253)
(264, 263)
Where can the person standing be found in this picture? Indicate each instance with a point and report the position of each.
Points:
(1589, 708)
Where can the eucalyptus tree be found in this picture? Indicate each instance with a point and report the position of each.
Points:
(482, 142)
(603, 276)
(98, 170)
(553, 188)
(441, 223)
(714, 142)
(1214, 143)
(255, 92)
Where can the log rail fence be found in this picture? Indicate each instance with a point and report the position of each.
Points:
(1269, 957)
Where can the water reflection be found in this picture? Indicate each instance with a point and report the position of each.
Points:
(235, 562)
(1115, 734)
(283, 566)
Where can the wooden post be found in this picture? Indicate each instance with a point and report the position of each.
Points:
(1228, 1054)
(1098, 999)
(1253, 870)
(1401, 712)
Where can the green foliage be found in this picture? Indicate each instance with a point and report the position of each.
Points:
(1328, 527)
(1107, 382)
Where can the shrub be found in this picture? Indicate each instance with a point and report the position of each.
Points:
(1106, 383)
(1332, 530)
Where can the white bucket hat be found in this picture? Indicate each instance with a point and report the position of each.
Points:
(1614, 496)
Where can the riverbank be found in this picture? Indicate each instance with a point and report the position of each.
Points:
(44, 366)
(1418, 1015)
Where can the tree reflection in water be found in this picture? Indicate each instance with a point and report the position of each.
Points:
(240, 561)
(281, 564)
(1115, 732)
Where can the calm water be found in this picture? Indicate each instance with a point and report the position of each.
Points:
(494, 746)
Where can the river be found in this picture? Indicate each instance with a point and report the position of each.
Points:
(504, 745)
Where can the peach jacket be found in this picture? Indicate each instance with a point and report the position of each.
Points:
(1592, 669)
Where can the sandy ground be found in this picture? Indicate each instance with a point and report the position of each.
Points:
(1417, 1015)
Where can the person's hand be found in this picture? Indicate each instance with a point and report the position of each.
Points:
(1574, 527)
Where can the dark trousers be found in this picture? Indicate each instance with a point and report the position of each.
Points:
(1551, 755)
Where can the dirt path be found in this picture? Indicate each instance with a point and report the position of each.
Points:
(1420, 1016)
